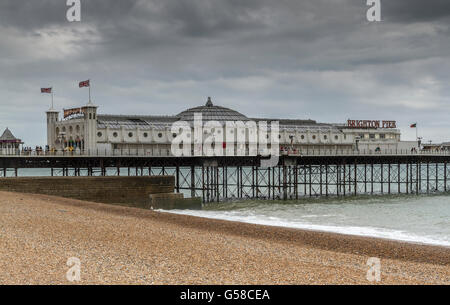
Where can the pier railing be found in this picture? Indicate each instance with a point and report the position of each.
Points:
(167, 153)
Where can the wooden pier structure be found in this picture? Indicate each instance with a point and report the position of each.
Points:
(216, 179)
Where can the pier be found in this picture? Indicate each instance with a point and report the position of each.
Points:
(303, 175)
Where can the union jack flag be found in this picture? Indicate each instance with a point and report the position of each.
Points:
(84, 84)
(46, 90)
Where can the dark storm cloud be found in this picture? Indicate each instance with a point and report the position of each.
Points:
(316, 59)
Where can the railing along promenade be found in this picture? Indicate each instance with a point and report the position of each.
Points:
(166, 153)
(298, 174)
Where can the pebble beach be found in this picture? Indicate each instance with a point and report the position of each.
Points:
(122, 245)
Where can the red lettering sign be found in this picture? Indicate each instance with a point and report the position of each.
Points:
(371, 124)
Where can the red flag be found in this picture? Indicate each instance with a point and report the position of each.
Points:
(46, 90)
(84, 84)
(414, 125)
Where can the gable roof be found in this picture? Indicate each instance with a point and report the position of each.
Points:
(7, 136)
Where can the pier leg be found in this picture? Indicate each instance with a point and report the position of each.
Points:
(273, 183)
(349, 179)
(343, 180)
(284, 183)
(304, 180)
(240, 183)
(417, 177)
(225, 181)
(365, 178)
(389, 178)
(203, 184)
(177, 178)
(217, 184)
(310, 181)
(192, 181)
(437, 176)
(320, 180)
(253, 182)
(445, 176)
(371, 179)
(338, 179)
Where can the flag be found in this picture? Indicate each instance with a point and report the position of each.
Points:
(84, 84)
(46, 90)
(414, 125)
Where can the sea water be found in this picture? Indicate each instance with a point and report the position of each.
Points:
(420, 219)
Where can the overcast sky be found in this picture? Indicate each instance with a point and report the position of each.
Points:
(317, 59)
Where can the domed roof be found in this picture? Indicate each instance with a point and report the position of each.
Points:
(212, 113)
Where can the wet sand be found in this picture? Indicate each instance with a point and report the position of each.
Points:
(121, 245)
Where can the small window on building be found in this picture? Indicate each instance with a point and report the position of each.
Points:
(159, 135)
(115, 135)
(174, 135)
(99, 134)
(94, 116)
(372, 136)
(145, 135)
(382, 136)
(314, 137)
(325, 137)
(302, 137)
(130, 134)
(90, 116)
(336, 137)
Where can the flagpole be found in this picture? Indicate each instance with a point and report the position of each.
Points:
(52, 98)
(417, 133)
(89, 90)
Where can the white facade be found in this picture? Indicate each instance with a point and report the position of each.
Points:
(152, 135)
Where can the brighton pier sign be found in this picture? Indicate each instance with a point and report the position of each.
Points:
(371, 124)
